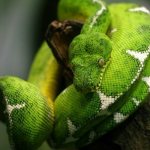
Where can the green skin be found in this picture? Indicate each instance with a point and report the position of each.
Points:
(110, 61)
(110, 64)
(24, 108)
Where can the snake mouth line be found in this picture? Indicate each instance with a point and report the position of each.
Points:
(98, 86)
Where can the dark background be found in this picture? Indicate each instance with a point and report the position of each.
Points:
(22, 27)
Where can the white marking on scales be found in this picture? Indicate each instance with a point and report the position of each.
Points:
(141, 56)
(140, 9)
(92, 136)
(147, 81)
(119, 117)
(10, 108)
(98, 13)
(136, 102)
(105, 100)
(71, 127)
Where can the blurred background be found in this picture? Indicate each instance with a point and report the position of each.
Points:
(22, 27)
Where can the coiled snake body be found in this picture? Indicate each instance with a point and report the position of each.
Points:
(109, 60)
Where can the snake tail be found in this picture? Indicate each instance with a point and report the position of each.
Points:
(26, 112)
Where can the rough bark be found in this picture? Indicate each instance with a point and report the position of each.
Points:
(58, 36)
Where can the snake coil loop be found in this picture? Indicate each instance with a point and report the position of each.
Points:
(110, 61)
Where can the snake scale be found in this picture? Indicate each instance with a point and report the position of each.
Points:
(110, 60)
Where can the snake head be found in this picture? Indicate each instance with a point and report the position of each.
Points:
(89, 55)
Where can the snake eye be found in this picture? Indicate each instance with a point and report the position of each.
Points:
(101, 62)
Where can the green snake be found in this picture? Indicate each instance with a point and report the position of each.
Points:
(110, 60)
